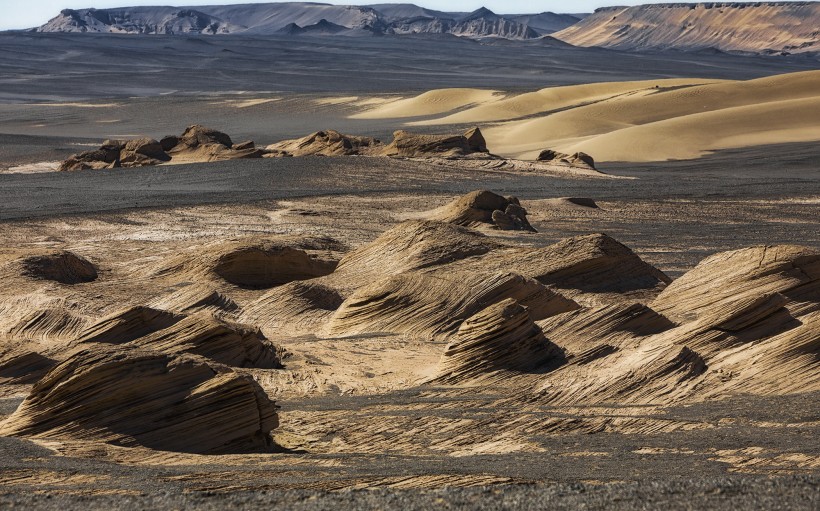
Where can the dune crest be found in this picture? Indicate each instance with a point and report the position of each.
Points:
(650, 120)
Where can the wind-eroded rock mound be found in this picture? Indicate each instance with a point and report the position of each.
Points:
(409, 246)
(592, 263)
(130, 397)
(252, 264)
(576, 160)
(216, 339)
(326, 143)
(59, 266)
(201, 333)
(196, 144)
(411, 145)
(194, 298)
(299, 307)
(501, 337)
(483, 207)
(747, 275)
(436, 305)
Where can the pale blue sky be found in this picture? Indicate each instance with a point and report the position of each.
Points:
(31, 13)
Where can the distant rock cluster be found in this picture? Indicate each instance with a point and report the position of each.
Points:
(196, 144)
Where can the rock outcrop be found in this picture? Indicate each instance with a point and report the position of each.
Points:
(577, 160)
(59, 266)
(500, 338)
(326, 143)
(411, 145)
(129, 397)
(196, 144)
(483, 207)
(436, 305)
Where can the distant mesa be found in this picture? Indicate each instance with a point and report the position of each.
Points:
(756, 27)
(181, 403)
(196, 144)
(297, 19)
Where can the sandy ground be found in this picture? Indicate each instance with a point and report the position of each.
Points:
(630, 121)
(356, 429)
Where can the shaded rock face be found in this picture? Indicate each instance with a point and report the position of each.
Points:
(501, 337)
(578, 159)
(326, 143)
(265, 266)
(130, 397)
(62, 266)
(410, 145)
(196, 144)
(23, 367)
(483, 207)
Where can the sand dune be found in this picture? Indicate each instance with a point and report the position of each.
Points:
(650, 120)
(430, 103)
(556, 98)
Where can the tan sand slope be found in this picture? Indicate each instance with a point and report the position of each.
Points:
(652, 121)
(727, 26)
(430, 103)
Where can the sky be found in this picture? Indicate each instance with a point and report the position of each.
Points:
(26, 14)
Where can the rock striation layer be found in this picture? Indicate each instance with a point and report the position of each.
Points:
(130, 397)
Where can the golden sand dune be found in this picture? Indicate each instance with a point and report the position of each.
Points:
(554, 99)
(651, 120)
(430, 103)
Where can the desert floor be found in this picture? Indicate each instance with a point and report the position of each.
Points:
(361, 426)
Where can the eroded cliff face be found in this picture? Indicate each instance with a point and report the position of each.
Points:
(770, 27)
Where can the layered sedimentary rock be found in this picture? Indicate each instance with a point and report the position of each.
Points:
(127, 325)
(222, 341)
(411, 145)
(196, 144)
(326, 143)
(129, 397)
(483, 207)
(298, 307)
(502, 337)
(194, 298)
(436, 305)
(741, 275)
(410, 246)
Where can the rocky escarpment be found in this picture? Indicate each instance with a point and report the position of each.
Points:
(130, 397)
(762, 27)
(300, 18)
